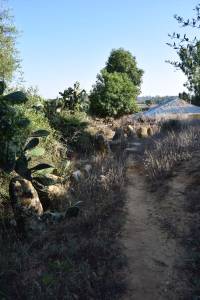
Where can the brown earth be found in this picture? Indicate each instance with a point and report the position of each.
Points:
(156, 224)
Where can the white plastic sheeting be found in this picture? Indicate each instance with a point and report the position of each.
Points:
(176, 108)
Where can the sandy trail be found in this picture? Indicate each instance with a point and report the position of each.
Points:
(150, 253)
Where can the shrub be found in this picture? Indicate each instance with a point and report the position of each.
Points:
(73, 129)
(113, 95)
(117, 86)
(74, 98)
(172, 125)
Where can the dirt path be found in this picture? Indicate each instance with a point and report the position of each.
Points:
(151, 254)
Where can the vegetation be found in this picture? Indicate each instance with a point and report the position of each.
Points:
(75, 250)
(117, 86)
(9, 61)
(74, 98)
(12, 126)
(188, 51)
(177, 144)
(155, 99)
(77, 258)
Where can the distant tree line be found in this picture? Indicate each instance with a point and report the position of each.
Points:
(154, 99)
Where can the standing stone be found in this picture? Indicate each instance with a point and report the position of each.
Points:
(119, 134)
(142, 132)
(101, 144)
(131, 132)
(25, 203)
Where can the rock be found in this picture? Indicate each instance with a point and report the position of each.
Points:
(57, 196)
(56, 191)
(25, 202)
(101, 144)
(52, 217)
(142, 132)
(77, 175)
(134, 144)
(24, 196)
(131, 150)
(119, 134)
(87, 169)
(131, 132)
(117, 146)
(150, 131)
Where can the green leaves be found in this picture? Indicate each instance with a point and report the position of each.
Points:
(40, 133)
(40, 167)
(15, 98)
(37, 151)
(22, 167)
(8, 156)
(117, 86)
(31, 144)
(23, 122)
(2, 87)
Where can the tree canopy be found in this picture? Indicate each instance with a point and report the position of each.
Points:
(122, 61)
(9, 61)
(117, 85)
(188, 50)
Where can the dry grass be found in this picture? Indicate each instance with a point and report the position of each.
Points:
(78, 258)
(170, 148)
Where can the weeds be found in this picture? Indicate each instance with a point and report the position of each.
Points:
(79, 257)
(167, 150)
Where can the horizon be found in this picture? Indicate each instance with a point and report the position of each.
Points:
(72, 41)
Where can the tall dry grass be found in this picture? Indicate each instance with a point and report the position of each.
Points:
(78, 258)
(171, 147)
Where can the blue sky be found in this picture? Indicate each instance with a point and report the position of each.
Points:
(64, 41)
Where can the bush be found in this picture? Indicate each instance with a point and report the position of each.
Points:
(172, 125)
(72, 126)
(113, 95)
(117, 86)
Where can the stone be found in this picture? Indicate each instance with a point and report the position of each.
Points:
(131, 150)
(134, 144)
(25, 203)
(142, 132)
(77, 175)
(119, 134)
(87, 169)
(131, 132)
(101, 144)
(150, 131)
(24, 196)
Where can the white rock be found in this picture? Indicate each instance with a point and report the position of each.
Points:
(88, 169)
(77, 175)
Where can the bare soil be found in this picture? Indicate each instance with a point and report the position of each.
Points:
(157, 222)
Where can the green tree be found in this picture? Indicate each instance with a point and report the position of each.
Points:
(188, 50)
(117, 86)
(122, 61)
(9, 61)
